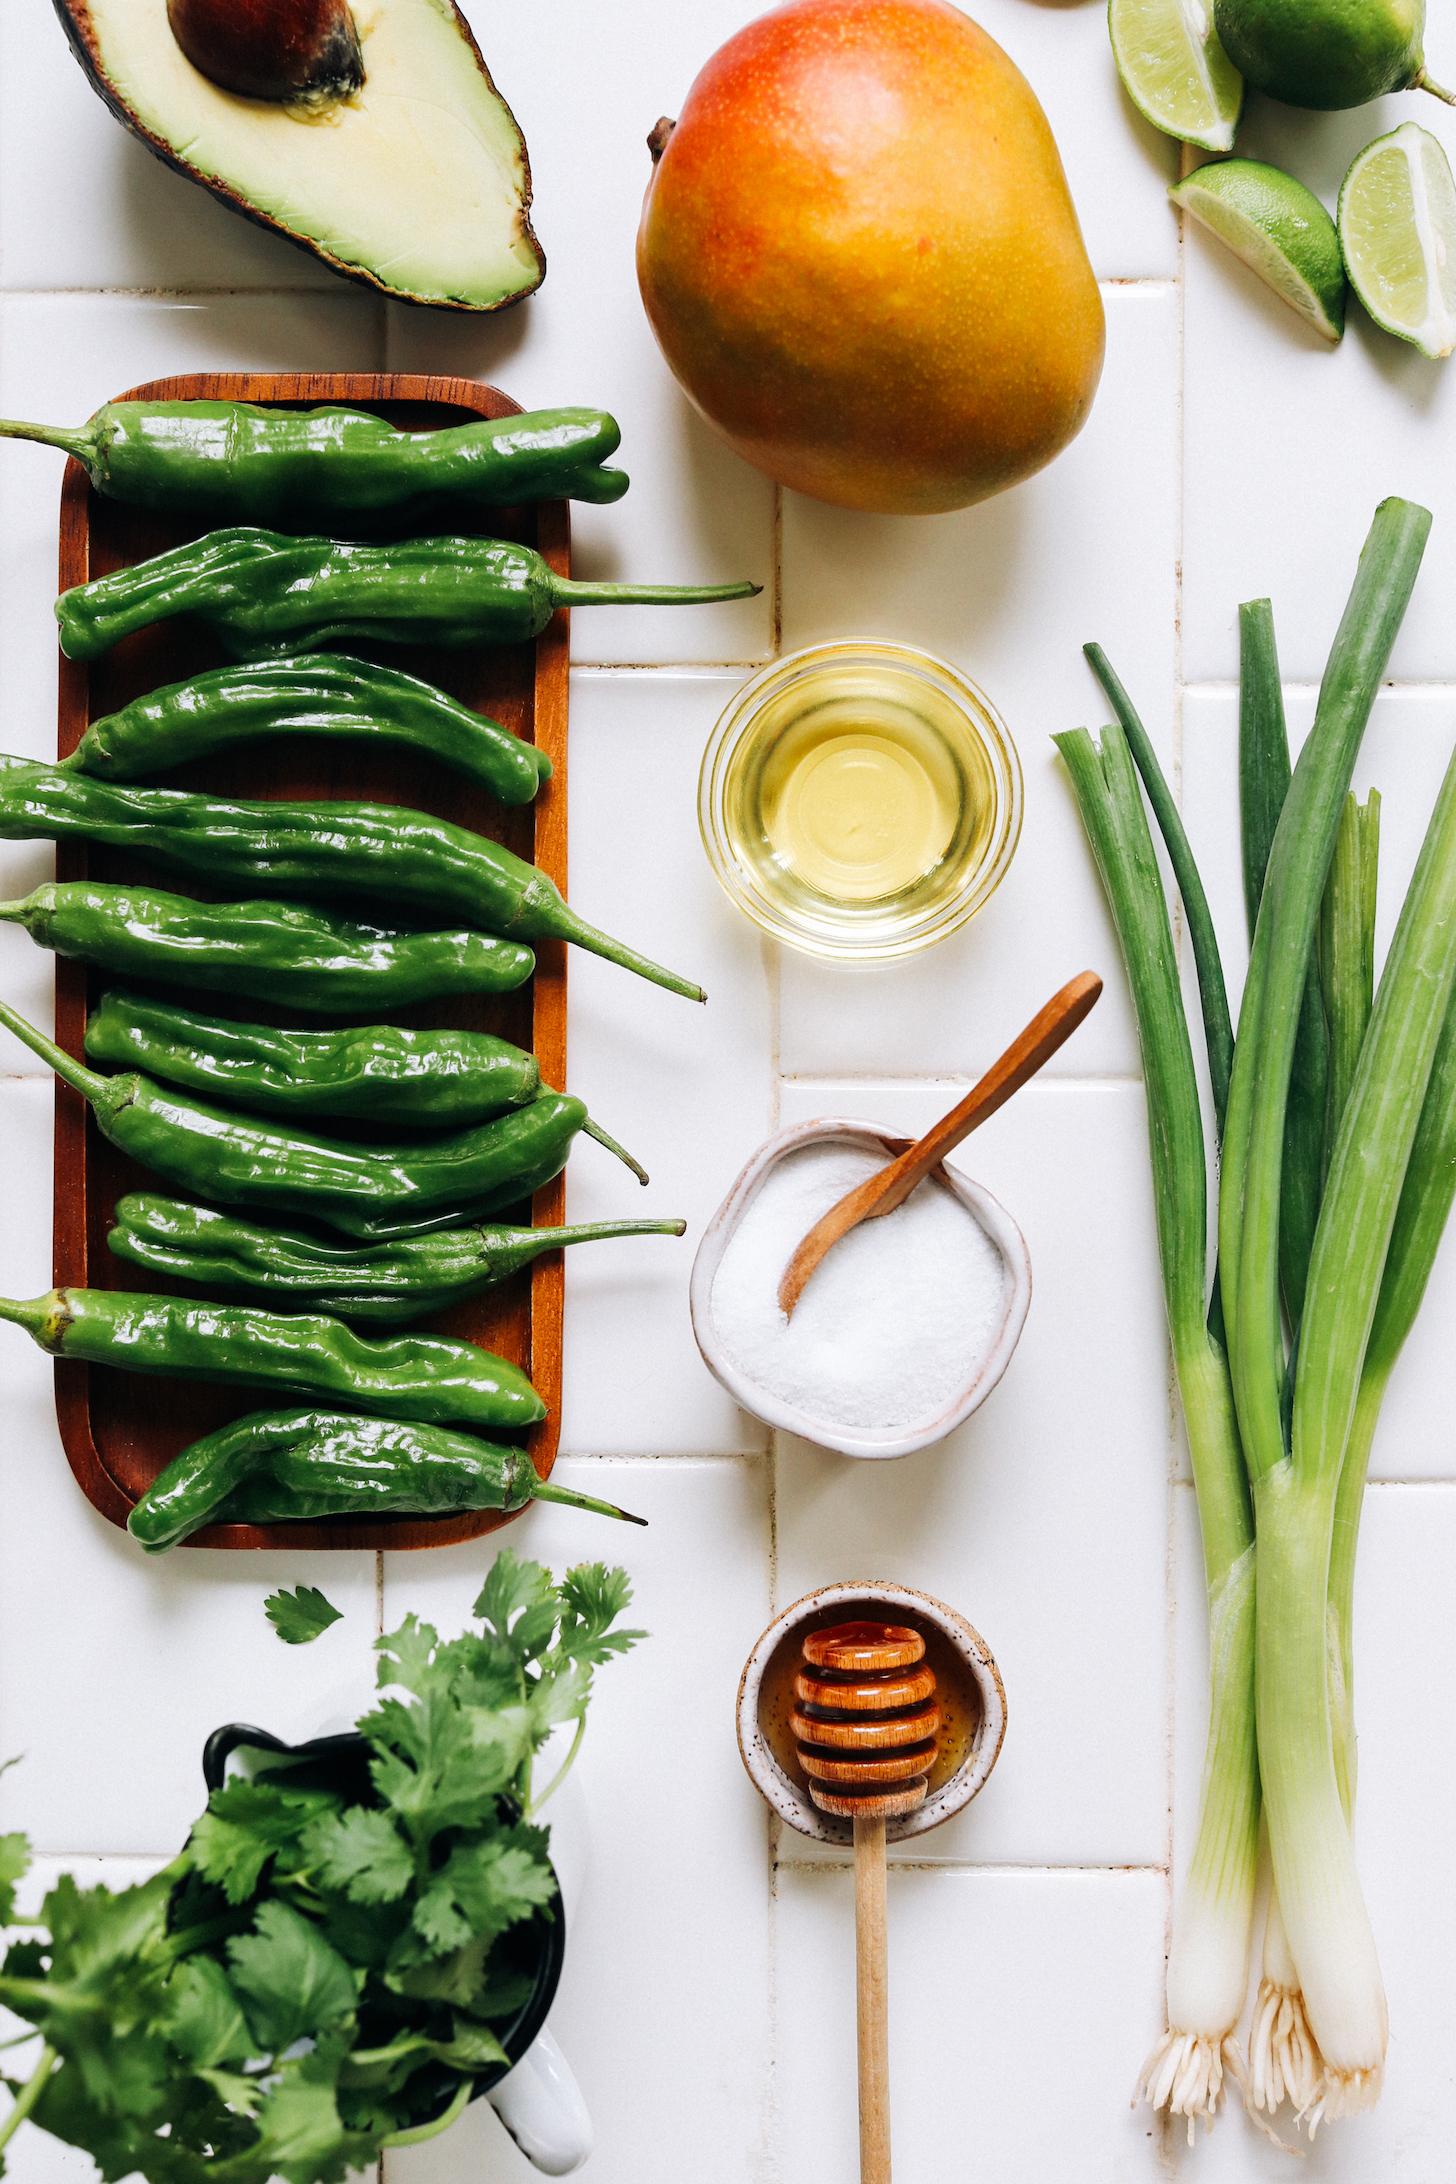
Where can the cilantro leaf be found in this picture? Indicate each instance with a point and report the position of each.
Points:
(406, 1655)
(301, 1615)
(241, 2094)
(301, 2135)
(484, 1887)
(512, 1587)
(596, 1596)
(361, 1854)
(438, 1764)
(14, 1865)
(247, 1823)
(369, 1971)
(203, 2020)
(292, 1983)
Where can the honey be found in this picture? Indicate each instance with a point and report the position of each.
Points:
(956, 1695)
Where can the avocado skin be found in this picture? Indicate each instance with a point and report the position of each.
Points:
(75, 18)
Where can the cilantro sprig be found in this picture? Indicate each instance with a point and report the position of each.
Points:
(326, 1968)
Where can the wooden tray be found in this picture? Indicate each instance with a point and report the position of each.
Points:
(119, 1429)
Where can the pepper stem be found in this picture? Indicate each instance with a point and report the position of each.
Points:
(566, 925)
(31, 1313)
(543, 1490)
(595, 1130)
(593, 1232)
(88, 1082)
(571, 591)
(74, 439)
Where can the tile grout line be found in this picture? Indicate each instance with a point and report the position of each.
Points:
(1163, 2136)
(933, 1082)
(1012, 1868)
(772, 960)
(208, 291)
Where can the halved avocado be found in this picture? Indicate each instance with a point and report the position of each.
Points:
(418, 184)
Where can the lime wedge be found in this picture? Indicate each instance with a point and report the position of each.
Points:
(1398, 233)
(1279, 229)
(1175, 71)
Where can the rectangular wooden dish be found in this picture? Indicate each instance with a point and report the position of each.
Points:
(119, 1429)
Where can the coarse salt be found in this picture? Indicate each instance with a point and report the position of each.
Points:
(890, 1329)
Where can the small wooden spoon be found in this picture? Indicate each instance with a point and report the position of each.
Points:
(883, 1192)
(868, 1686)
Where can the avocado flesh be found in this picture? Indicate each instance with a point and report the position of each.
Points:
(418, 185)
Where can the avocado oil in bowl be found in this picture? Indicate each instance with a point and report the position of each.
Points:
(860, 800)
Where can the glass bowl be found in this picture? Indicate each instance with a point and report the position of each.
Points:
(860, 800)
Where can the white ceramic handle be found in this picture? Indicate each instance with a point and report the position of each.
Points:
(540, 2104)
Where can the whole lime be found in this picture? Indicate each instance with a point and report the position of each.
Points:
(1324, 53)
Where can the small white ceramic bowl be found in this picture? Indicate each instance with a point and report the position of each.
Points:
(772, 1409)
(875, 1600)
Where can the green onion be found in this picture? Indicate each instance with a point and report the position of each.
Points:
(1339, 1172)
(1208, 1967)
(1264, 772)
(1347, 945)
(1296, 1500)
(1218, 1030)
(1279, 964)
(1284, 2057)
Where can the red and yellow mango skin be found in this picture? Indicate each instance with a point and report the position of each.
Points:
(860, 258)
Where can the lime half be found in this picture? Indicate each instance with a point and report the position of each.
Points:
(1279, 229)
(1398, 233)
(1175, 71)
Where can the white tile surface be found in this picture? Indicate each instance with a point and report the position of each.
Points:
(659, 1769)
(695, 511)
(1118, 167)
(1043, 1518)
(948, 583)
(1010, 591)
(684, 1086)
(1008, 1995)
(1289, 446)
(707, 1997)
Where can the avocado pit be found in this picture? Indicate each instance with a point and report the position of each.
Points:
(282, 50)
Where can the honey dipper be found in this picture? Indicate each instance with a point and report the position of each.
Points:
(865, 1726)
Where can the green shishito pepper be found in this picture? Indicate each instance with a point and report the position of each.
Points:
(325, 695)
(282, 1466)
(377, 1191)
(263, 593)
(385, 1282)
(407, 858)
(266, 951)
(378, 1073)
(423, 1377)
(373, 1073)
(267, 465)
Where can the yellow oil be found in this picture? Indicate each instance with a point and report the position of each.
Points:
(862, 798)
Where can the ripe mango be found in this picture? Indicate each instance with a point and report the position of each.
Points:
(861, 259)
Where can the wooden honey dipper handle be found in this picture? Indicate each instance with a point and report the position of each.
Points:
(872, 2005)
(866, 1724)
